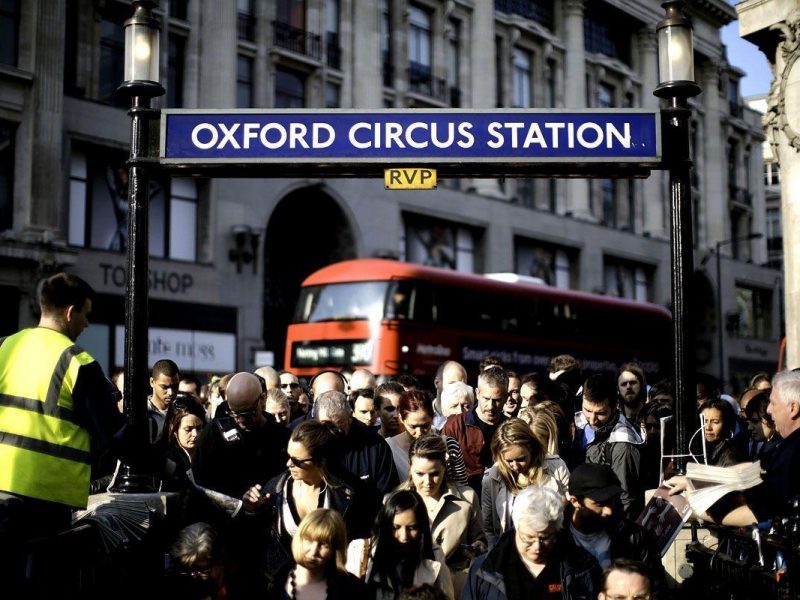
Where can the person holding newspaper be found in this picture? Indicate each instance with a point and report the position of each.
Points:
(779, 470)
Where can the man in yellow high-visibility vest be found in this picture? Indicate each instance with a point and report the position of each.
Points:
(55, 405)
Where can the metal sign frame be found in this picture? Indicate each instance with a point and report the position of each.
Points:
(589, 165)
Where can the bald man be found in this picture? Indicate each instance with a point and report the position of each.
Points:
(270, 377)
(245, 447)
(361, 379)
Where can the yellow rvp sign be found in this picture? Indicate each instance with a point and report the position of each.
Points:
(409, 179)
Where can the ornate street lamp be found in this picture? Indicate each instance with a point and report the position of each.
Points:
(676, 83)
(141, 84)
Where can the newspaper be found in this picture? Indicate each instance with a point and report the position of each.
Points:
(664, 516)
(707, 484)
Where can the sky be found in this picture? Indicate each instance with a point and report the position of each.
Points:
(749, 59)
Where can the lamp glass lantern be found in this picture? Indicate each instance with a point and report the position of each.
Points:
(142, 45)
(675, 53)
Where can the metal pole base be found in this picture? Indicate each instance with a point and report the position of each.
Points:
(129, 482)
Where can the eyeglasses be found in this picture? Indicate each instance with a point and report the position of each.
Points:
(542, 540)
(244, 415)
(297, 462)
(292, 385)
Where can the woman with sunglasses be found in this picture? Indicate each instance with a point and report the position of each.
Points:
(403, 554)
(313, 480)
(317, 570)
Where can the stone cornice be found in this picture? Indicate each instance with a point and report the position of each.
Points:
(717, 11)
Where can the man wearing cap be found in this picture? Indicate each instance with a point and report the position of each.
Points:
(598, 525)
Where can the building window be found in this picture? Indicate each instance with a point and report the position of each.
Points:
(290, 89)
(553, 264)
(627, 279)
(550, 84)
(387, 60)
(244, 81)
(454, 62)
(734, 105)
(774, 231)
(176, 60)
(333, 50)
(753, 315)
(733, 150)
(420, 78)
(772, 174)
(608, 194)
(246, 21)
(112, 53)
(7, 135)
(499, 72)
(292, 13)
(178, 9)
(98, 207)
(9, 31)
(605, 96)
(607, 31)
(540, 11)
(438, 243)
(522, 78)
(333, 95)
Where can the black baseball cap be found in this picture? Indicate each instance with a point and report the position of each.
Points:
(597, 482)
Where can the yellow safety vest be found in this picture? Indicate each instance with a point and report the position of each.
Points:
(44, 449)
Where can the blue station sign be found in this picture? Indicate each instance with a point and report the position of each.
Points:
(411, 137)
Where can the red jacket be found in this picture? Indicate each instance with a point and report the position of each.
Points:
(469, 436)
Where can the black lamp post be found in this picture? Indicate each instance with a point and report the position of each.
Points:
(720, 325)
(676, 84)
(141, 84)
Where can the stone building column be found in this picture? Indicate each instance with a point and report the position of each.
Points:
(217, 65)
(714, 177)
(774, 26)
(366, 50)
(654, 208)
(575, 97)
(482, 61)
(40, 214)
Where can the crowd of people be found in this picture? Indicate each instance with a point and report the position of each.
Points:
(490, 485)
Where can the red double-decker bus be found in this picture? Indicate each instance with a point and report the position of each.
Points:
(394, 317)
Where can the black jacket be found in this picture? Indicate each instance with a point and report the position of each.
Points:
(367, 456)
(232, 467)
(343, 586)
(580, 573)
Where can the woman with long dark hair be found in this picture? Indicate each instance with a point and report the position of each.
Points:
(403, 554)
(719, 426)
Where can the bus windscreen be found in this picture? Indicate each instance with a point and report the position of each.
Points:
(341, 302)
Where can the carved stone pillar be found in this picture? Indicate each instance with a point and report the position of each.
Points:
(218, 21)
(575, 97)
(46, 114)
(654, 202)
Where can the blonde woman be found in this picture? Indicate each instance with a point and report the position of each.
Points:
(545, 429)
(520, 461)
(319, 549)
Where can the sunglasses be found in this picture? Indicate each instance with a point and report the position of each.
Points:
(298, 462)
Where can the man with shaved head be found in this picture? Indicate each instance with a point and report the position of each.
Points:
(246, 446)
(361, 379)
(270, 377)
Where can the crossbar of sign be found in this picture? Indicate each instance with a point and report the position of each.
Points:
(404, 137)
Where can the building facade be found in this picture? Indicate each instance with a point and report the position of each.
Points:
(228, 255)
